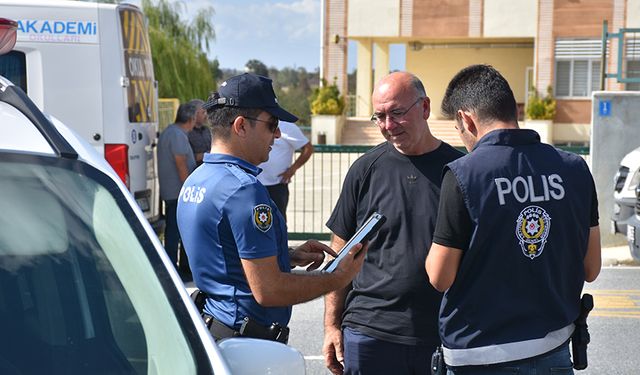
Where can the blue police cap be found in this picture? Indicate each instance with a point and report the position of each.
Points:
(250, 91)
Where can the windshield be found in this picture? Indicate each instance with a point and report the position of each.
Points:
(77, 291)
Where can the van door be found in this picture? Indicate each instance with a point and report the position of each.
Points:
(142, 109)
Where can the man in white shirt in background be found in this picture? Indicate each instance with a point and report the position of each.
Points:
(278, 170)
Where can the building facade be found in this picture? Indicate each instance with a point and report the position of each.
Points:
(533, 43)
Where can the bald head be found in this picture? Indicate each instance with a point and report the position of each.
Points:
(401, 82)
(401, 108)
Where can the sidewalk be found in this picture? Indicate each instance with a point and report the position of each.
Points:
(617, 256)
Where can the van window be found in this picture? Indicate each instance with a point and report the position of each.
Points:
(13, 67)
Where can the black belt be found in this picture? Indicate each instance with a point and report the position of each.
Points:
(249, 328)
(218, 330)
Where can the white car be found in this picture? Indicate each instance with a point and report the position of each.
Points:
(625, 182)
(85, 285)
(633, 229)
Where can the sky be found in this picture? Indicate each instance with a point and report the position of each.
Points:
(280, 33)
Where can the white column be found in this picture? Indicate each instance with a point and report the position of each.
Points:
(381, 53)
(363, 78)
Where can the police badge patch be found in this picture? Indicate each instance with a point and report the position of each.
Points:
(532, 230)
(262, 217)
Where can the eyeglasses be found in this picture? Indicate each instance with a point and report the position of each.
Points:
(394, 115)
(273, 123)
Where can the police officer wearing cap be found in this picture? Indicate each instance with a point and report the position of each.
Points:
(234, 235)
(516, 238)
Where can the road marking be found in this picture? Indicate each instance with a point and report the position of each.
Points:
(313, 357)
(616, 303)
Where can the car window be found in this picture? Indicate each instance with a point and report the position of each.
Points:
(13, 66)
(77, 291)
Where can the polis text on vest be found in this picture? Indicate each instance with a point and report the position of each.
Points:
(530, 188)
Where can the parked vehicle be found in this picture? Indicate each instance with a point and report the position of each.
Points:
(625, 182)
(89, 64)
(633, 229)
(85, 285)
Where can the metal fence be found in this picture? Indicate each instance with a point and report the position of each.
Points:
(316, 186)
(167, 109)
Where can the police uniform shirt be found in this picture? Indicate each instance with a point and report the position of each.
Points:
(391, 299)
(224, 215)
(520, 211)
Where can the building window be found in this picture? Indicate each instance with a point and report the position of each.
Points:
(633, 71)
(577, 67)
(632, 57)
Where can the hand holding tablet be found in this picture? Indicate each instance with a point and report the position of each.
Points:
(366, 231)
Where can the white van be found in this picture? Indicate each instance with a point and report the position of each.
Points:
(90, 65)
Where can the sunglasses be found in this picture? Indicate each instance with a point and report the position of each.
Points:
(272, 123)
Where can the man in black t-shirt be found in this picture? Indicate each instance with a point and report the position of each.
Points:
(386, 321)
(517, 236)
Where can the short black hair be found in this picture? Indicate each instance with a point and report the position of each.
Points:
(221, 117)
(197, 102)
(480, 89)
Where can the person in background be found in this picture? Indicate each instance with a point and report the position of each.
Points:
(175, 162)
(517, 236)
(200, 135)
(386, 320)
(278, 170)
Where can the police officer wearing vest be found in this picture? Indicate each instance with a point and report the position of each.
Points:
(516, 238)
(233, 233)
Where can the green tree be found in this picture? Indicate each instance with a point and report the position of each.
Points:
(179, 49)
(541, 108)
(327, 100)
(293, 87)
(257, 67)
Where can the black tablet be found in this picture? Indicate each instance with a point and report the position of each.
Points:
(373, 223)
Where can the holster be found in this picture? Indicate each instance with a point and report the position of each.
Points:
(275, 332)
(438, 366)
(249, 328)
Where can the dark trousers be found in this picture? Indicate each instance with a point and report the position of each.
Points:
(171, 234)
(280, 195)
(365, 355)
(172, 240)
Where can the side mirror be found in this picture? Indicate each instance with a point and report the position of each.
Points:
(8, 34)
(254, 356)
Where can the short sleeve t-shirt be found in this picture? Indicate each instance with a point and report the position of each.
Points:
(281, 154)
(173, 141)
(225, 215)
(391, 298)
(200, 139)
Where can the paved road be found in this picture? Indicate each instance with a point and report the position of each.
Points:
(614, 325)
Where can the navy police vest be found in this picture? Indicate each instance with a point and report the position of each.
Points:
(523, 273)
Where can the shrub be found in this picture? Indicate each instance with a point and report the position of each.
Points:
(326, 100)
(541, 108)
